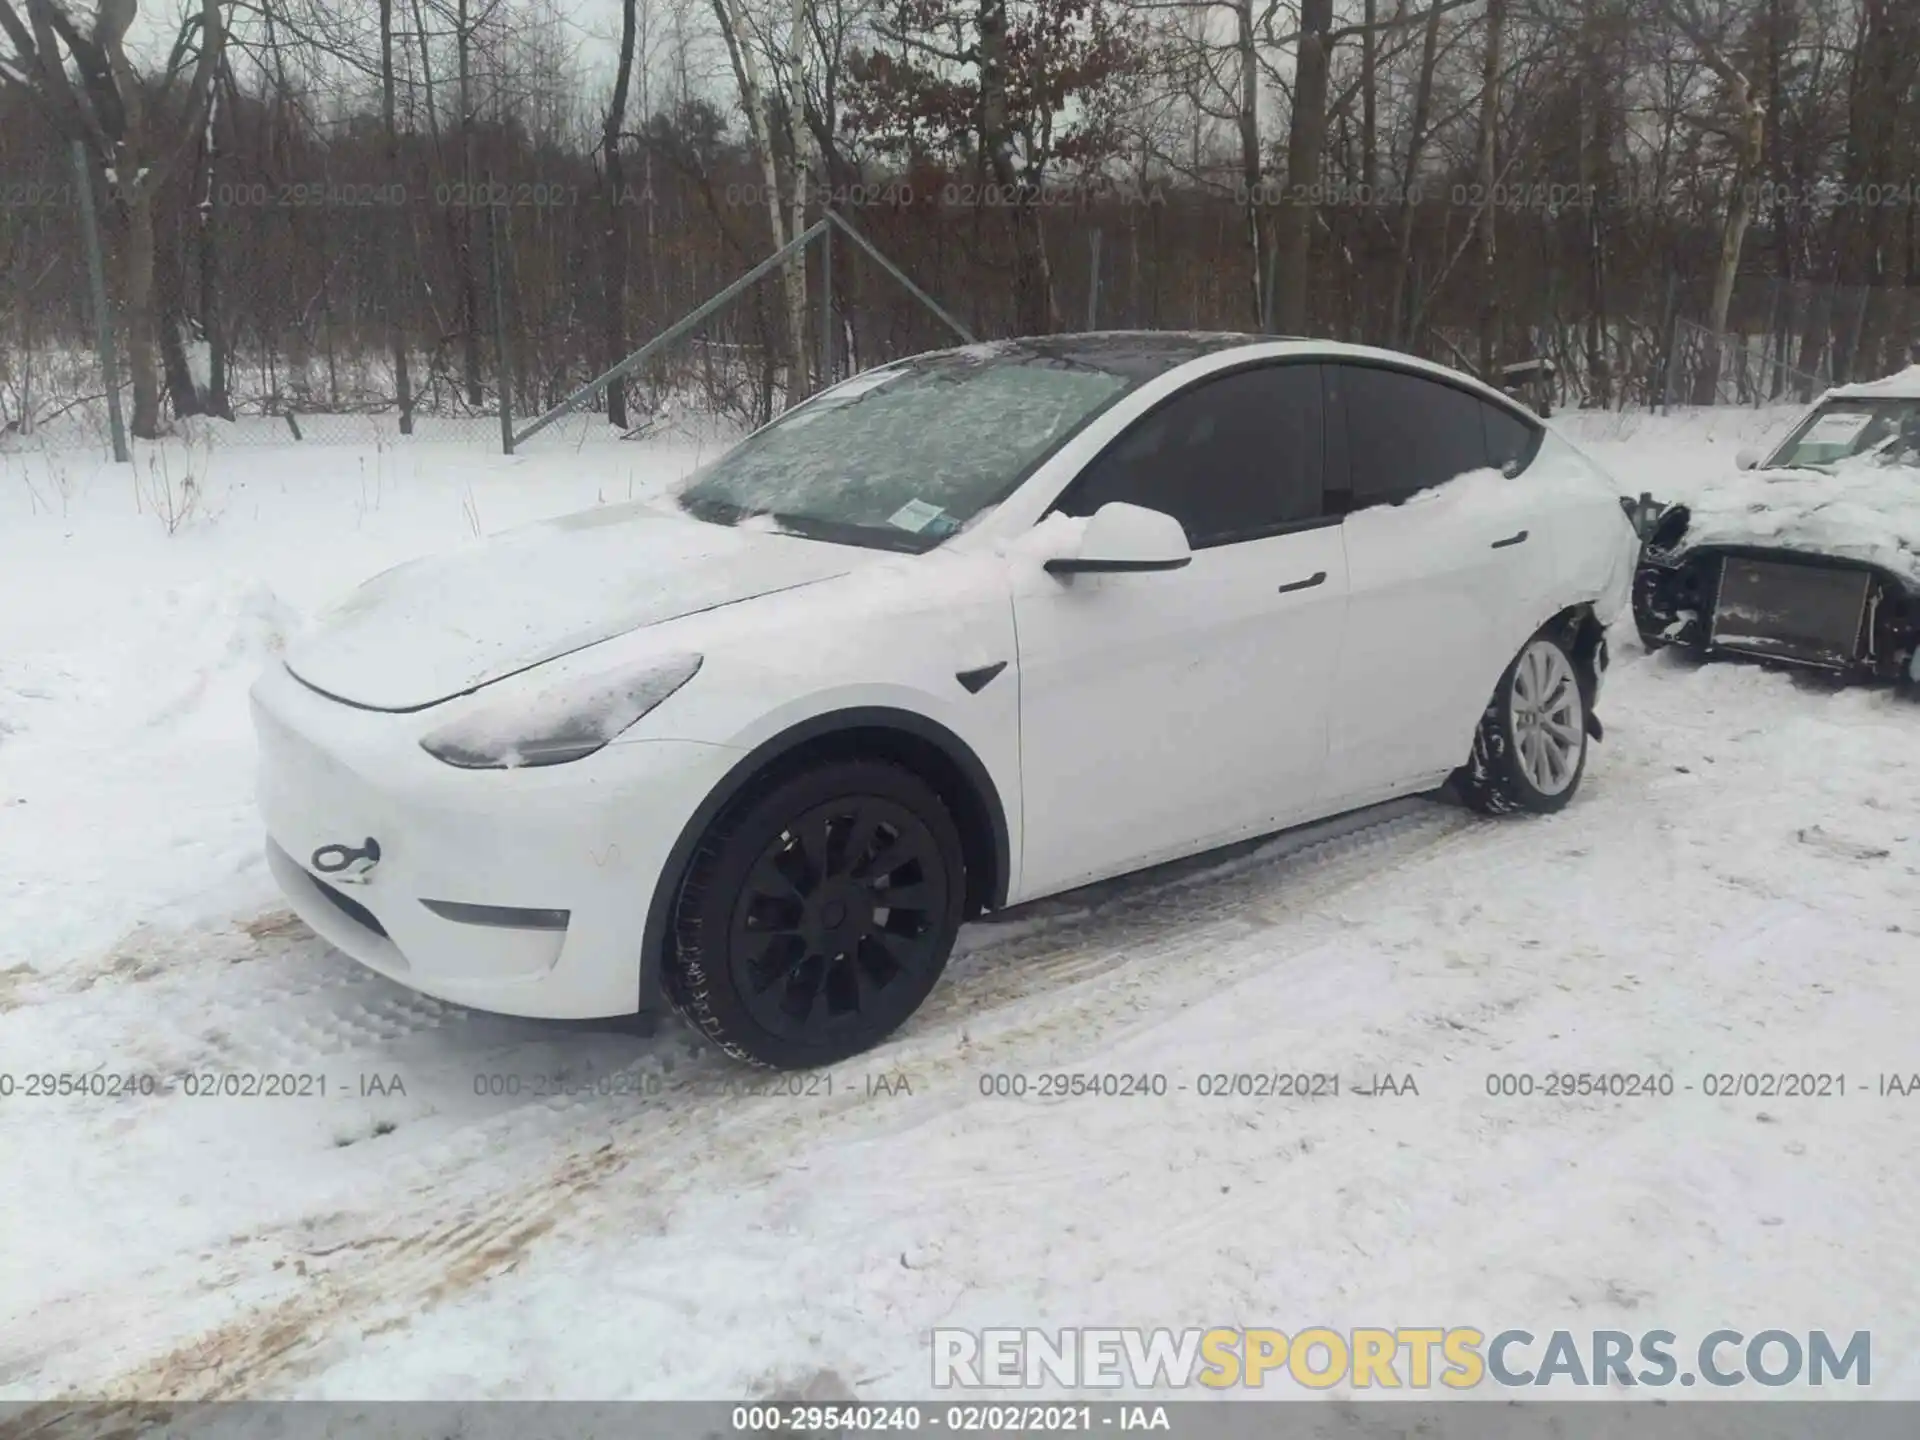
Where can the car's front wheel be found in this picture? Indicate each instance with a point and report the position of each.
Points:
(1530, 748)
(817, 915)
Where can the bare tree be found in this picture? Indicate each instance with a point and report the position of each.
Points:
(767, 115)
(1744, 128)
(89, 87)
(614, 176)
(1488, 170)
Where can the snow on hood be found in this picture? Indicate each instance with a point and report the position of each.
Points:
(1861, 510)
(447, 624)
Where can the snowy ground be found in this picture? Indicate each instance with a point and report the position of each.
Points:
(1737, 889)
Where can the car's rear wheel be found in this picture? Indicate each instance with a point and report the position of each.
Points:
(1530, 749)
(817, 915)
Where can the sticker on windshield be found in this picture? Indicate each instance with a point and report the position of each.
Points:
(1841, 428)
(919, 517)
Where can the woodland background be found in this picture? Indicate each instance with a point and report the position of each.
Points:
(395, 207)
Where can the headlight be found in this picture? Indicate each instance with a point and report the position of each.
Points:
(567, 720)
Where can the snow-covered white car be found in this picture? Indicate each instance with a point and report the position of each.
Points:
(1810, 556)
(973, 628)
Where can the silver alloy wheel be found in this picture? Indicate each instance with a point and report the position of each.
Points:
(1547, 723)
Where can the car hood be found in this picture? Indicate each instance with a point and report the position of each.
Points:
(1857, 510)
(447, 624)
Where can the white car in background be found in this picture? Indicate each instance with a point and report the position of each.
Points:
(972, 628)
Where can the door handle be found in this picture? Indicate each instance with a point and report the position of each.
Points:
(1316, 578)
(1510, 540)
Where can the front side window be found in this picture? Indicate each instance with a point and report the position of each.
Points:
(1406, 433)
(1839, 430)
(902, 457)
(1233, 458)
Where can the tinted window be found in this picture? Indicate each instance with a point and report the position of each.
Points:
(1231, 459)
(1406, 433)
(1510, 440)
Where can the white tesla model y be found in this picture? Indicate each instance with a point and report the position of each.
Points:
(965, 630)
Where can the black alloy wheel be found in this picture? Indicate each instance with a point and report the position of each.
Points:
(834, 898)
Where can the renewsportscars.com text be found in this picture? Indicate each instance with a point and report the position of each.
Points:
(1396, 1358)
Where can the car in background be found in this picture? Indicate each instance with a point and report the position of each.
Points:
(965, 630)
(1809, 556)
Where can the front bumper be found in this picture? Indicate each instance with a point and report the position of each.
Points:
(1796, 608)
(590, 838)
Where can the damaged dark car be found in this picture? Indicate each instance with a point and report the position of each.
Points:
(1807, 557)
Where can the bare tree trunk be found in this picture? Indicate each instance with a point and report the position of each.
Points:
(137, 295)
(1596, 153)
(794, 276)
(469, 274)
(1733, 234)
(1400, 315)
(1251, 177)
(1782, 20)
(389, 257)
(759, 109)
(1369, 103)
(1305, 138)
(615, 253)
(1883, 77)
(170, 286)
(214, 399)
(1489, 178)
(1749, 153)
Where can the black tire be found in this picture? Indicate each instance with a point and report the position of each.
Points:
(1496, 779)
(800, 863)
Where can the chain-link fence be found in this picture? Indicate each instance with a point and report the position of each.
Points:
(378, 320)
(1790, 341)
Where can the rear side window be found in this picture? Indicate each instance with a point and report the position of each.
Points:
(1233, 458)
(1405, 433)
(1511, 441)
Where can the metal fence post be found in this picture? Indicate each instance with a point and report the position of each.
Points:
(826, 307)
(102, 316)
(1093, 279)
(503, 360)
(1266, 290)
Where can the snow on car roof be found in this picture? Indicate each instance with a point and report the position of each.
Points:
(1901, 385)
(1137, 354)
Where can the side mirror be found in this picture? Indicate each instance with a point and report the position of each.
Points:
(1122, 538)
(1746, 457)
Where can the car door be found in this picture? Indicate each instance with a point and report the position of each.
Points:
(1164, 712)
(1440, 582)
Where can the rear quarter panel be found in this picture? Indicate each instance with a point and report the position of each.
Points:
(1594, 545)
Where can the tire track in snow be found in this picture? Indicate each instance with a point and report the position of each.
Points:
(1078, 968)
(266, 993)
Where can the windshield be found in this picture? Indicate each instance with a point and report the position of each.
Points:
(1885, 430)
(903, 456)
